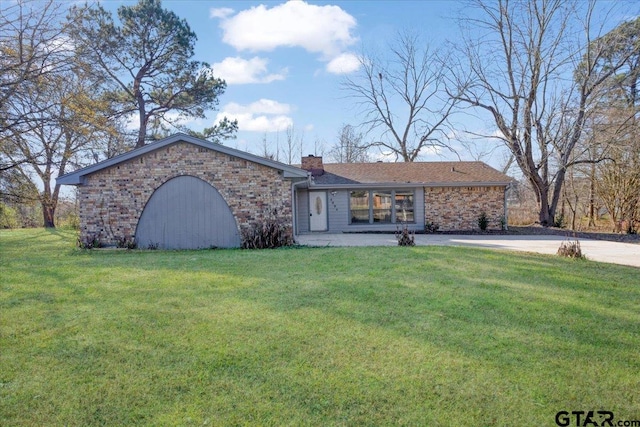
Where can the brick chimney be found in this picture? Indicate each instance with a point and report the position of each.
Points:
(313, 164)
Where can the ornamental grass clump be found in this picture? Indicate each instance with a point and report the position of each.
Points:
(267, 233)
(126, 242)
(405, 237)
(90, 241)
(571, 249)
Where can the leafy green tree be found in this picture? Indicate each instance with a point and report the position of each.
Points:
(8, 217)
(622, 47)
(146, 58)
(224, 129)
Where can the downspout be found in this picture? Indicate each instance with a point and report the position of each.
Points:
(506, 211)
(294, 203)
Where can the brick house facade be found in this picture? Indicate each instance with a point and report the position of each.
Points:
(113, 199)
(116, 194)
(459, 208)
(449, 195)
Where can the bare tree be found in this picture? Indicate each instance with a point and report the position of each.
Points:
(293, 145)
(616, 132)
(267, 152)
(519, 55)
(618, 185)
(32, 48)
(349, 148)
(34, 51)
(404, 101)
(63, 135)
(615, 177)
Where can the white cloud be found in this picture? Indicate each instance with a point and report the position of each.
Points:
(131, 122)
(264, 115)
(222, 12)
(383, 156)
(431, 150)
(266, 106)
(344, 63)
(236, 70)
(319, 29)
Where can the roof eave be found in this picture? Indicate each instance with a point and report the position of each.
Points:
(470, 184)
(409, 185)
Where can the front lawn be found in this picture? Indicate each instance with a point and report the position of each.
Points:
(314, 336)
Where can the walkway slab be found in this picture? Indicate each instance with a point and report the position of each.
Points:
(595, 250)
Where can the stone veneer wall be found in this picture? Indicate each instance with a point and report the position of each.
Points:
(112, 200)
(458, 208)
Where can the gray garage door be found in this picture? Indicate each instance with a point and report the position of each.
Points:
(187, 213)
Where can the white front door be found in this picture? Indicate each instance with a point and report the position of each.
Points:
(318, 210)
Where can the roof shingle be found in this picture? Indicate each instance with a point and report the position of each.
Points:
(429, 173)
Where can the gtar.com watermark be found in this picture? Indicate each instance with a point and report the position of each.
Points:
(592, 418)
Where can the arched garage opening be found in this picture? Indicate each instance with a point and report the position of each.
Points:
(187, 213)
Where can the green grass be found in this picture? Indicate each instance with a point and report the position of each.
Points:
(315, 336)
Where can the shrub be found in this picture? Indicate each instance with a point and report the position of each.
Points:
(8, 217)
(126, 242)
(483, 221)
(503, 223)
(405, 237)
(570, 249)
(431, 227)
(630, 228)
(71, 221)
(90, 242)
(267, 233)
(559, 221)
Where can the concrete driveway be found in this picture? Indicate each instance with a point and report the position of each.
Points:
(595, 250)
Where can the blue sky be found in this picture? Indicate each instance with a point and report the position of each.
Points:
(284, 61)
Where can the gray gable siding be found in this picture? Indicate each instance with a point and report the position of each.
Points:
(302, 211)
(187, 213)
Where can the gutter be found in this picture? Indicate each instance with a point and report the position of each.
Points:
(506, 208)
(408, 185)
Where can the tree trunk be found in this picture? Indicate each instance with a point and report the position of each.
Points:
(143, 119)
(142, 132)
(48, 214)
(49, 201)
(592, 197)
(557, 191)
(48, 208)
(545, 217)
(574, 213)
